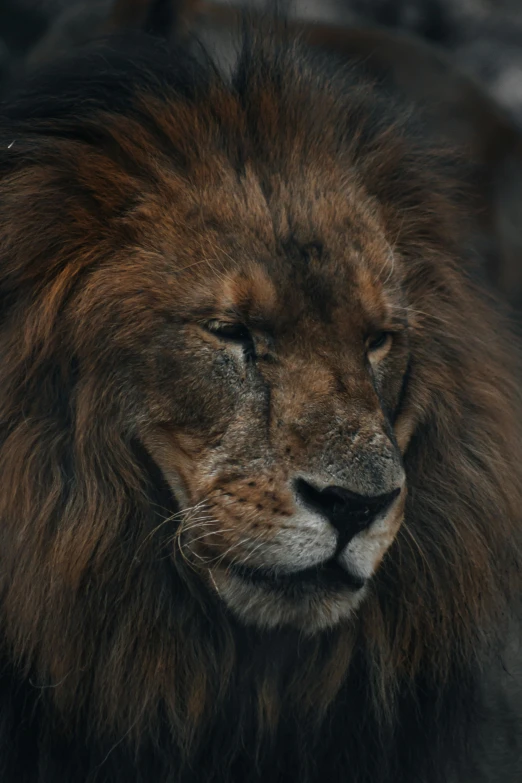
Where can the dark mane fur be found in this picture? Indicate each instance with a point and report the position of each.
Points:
(118, 667)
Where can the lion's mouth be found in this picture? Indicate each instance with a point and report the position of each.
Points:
(327, 576)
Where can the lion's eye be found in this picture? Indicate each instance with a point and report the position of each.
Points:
(233, 333)
(379, 343)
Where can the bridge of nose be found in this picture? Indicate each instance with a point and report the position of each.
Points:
(330, 421)
(358, 464)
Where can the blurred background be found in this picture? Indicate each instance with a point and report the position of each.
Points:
(458, 61)
(483, 37)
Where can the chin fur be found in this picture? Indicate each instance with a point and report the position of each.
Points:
(306, 609)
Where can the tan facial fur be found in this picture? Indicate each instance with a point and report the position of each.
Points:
(305, 391)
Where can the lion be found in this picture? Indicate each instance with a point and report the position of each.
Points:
(260, 433)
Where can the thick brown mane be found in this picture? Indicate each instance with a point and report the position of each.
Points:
(109, 650)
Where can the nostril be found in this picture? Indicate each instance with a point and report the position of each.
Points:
(355, 505)
(348, 511)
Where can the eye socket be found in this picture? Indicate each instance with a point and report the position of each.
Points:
(233, 332)
(379, 343)
(228, 330)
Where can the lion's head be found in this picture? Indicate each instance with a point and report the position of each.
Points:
(247, 388)
(269, 397)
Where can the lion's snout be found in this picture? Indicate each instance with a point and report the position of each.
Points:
(348, 512)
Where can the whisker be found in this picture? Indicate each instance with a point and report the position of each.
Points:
(163, 522)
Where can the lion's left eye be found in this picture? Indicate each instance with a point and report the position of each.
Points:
(232, 332)
(379, 343)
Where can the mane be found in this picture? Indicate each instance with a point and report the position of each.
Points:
(101, 638)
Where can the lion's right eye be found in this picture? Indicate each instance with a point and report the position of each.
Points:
(233, 332)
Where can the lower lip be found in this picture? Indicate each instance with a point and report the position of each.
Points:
(329, 576)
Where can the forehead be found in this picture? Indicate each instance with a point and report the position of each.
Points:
(273, 246)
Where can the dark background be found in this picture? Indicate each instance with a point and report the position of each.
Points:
(483, 37)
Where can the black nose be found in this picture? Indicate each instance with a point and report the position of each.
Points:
(347, 511)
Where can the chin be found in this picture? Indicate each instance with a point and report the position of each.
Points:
(312, 601)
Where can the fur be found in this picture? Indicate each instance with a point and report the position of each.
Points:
(119, 663)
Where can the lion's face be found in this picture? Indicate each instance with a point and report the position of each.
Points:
(272, 389)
